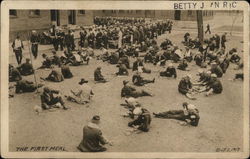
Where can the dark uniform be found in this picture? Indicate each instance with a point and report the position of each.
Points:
(122, 70)
(183, 65)
(14, 75)
(26, 69)
(138, 80)
(223, 41)
(129, 91)
(46, 63)
(164, 45)
(34, 39)
(192, 115)
(198, 60)
(169, 72)
(217, 70)
(114, 58)
(56, 60)
(66, 72)
(235, 58)
(204, 77)
(98, 76)
(25, 86)
(48, 99)
(216, 85)
(185, 85)
(224, 65)
(143, 121)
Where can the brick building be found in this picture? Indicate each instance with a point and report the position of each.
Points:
(23, 21)
(184, 15)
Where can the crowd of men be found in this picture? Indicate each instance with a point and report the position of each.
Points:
(133, 38)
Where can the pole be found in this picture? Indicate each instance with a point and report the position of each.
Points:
(234, 19)
(32, 64)
(200, 25)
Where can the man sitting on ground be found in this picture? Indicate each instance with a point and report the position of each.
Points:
(214, 86)
(51, 99)
(26, 68)
(14, 74)
(143, 119)
(83, 95)
(122, 69)
(98, 76)
(139, 66)
(93, 140)
(216, 69)
(183, 65)
(54, 76)
(66, 71)
(185, 87)
(169, 72)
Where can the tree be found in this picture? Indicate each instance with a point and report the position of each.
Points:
(200, 25)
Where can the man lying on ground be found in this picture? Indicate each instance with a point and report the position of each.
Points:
(138, 80)
(24, 86)
(129, 91)
(189, 114)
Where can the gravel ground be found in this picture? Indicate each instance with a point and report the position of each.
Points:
(221, 123)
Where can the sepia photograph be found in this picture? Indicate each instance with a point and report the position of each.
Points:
(121, 80)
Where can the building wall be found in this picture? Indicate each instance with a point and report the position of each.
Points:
(191, 15)
(85, 19)
(155, 14)
(23, 22)
(63, 17)
(120, 13)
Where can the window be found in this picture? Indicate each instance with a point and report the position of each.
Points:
(81, 12)
(35, 13)
(121, 11)
(103, 11)
(138, 11)
(13, 12)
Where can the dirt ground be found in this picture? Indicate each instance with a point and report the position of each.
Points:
(221, 123)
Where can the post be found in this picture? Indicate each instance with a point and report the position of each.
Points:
(29, 46)
(200, 25)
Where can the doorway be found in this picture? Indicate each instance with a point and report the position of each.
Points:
(55, 16)
(177, 15)
(72, 17)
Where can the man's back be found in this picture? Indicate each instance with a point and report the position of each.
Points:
(92, 138)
